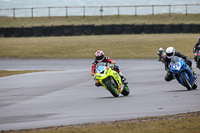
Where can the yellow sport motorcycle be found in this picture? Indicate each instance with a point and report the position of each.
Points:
(110, 80)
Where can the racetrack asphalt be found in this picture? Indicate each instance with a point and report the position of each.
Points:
(69, 96)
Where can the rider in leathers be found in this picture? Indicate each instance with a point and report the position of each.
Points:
(171, 52)
(196, 47)
(101, 58)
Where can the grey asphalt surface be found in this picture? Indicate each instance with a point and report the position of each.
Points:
(66, 97)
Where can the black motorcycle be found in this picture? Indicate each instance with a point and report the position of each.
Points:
(198, 58)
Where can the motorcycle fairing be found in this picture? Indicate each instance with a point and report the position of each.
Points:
(179, 67)
(107, 72)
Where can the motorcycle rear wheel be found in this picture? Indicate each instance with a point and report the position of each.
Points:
(198, 63)
(125, 91)
(186, 82)
(194, 87)
(111, 88)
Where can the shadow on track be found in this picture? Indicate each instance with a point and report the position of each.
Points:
(180, 90)
(114, 97)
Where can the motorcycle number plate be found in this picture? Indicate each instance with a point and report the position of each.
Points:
(177, 66)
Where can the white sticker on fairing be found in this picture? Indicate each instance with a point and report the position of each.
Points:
(177, 66)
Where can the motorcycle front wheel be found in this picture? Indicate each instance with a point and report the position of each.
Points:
(186, 82)
(111, 88)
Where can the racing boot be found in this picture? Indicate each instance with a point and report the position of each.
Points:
(193, 70)
(123, 78)
(97, 83)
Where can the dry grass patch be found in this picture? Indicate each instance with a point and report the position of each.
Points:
(135, 46)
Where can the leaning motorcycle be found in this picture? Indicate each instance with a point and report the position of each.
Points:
(111, 80)
(182, 72)
(198, 58)
(161, 56)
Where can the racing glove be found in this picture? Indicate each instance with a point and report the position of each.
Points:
(92, 73)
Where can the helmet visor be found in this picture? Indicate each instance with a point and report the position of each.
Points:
(169, 54)
(99, 58)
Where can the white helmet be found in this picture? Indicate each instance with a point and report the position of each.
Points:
(170, 52)
(161, 49)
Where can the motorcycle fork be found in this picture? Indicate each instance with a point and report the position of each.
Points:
(178, 77)
(113, 82)
(186, 74)
(116, 85)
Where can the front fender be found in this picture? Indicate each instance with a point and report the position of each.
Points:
(107, 74)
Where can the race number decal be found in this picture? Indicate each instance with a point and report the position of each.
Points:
(177, 66)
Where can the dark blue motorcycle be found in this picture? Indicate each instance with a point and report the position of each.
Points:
(198, 58)
(182, 72)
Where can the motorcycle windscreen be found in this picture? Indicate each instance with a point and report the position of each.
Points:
(101, 69)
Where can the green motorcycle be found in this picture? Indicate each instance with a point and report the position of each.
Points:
(111, 80)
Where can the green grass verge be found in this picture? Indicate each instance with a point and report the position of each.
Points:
(4, 73)
(134, 46)
(181, 123)
(97, 20)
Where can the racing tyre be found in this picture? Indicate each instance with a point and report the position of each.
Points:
(194, 87)
(125, 91)
(111, 88)
(198, 63)
(186, 82)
